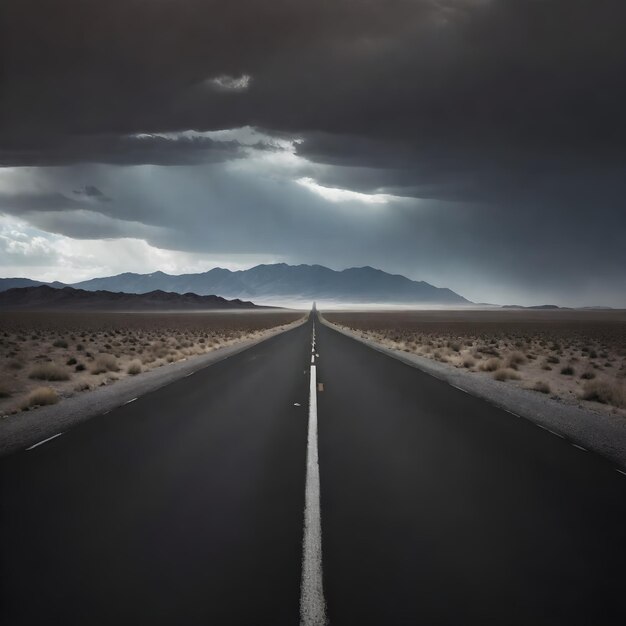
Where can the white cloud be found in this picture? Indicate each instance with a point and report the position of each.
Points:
(28, 252)
(334, 194)
(230, 83)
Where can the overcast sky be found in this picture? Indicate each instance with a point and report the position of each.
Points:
(478, 145)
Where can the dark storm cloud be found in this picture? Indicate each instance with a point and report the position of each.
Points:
(60, 149)
(91, 192)
(505, 78)
(504, 118)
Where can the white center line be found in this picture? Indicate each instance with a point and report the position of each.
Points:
(44, 441)
(312, 603)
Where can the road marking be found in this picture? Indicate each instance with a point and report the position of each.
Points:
(320, 386)
(511, 412)
(312, 359)
(552, 432)
(129, 401)
(297, 404)
(579, 447)
(459, 388)
(620, 471)
(44, 441)
(312, 603)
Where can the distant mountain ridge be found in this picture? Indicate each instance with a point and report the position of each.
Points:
(44, 297)
(17, 283)
(301, 282)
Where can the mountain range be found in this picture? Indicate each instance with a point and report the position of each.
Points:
(53, 298)
(278, 281)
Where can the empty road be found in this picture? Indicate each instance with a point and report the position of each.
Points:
(203, 503)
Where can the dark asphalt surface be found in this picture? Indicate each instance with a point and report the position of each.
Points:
(186, 506)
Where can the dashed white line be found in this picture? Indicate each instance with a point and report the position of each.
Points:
(44, 441)
(620, 471)
(552, 432)
(129, 401)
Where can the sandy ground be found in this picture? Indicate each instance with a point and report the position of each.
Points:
(49, 357)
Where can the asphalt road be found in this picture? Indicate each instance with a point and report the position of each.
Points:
(186, 506)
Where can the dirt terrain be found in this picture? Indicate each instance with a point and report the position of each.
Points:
(46, 356)
(576, 356)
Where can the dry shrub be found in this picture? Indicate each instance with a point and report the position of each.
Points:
(605, 392)
(42, 396)
(49, 371)
(134, 368)
(490, 365)
(541, 387)
(568, 371)
(506, 374)
(468, 362)
(105, 363)
(5, 392)
(514, 359)
(588, 375)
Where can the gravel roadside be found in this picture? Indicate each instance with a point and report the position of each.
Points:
(23, 429)
(600, 432)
